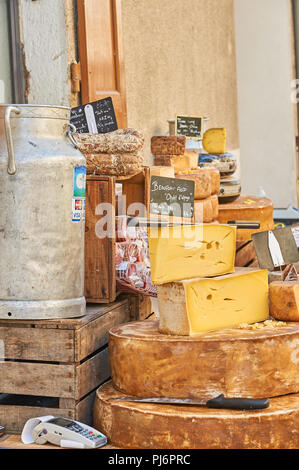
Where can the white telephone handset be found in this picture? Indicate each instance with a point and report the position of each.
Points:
(63, 432)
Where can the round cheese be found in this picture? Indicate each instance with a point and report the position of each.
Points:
(215, 205)
(202, 184)
(151, 426)
(213, 172)
(238, 362)
(249, 208)
(203, 211)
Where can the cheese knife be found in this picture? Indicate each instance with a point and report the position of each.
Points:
(219, 402)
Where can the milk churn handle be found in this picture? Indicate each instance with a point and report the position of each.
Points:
(70, 133)
(11, 166)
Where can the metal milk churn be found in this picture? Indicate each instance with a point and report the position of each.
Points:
(42, 215)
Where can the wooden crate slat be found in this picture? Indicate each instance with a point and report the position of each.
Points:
(91, 373)
(37, 344)
(14, 417)
(94, 335)
(33, 378)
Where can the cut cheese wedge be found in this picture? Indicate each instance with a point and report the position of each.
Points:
(200, 305)
(189, 251)
(284, 300)
(203, 211)
(214, 141)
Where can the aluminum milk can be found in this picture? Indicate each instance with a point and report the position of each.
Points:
(42, 215)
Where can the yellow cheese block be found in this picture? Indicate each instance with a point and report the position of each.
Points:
(188, 251)
(200, 305)
(214, 141)
(284, 300)
(165, 171)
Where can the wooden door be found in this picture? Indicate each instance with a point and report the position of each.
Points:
(101, 54)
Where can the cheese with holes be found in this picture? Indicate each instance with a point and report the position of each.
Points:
(214, 141)
(187, 251)
(284, 300)
(203, 211)
(202, 184)
(249, 208)
(199, 305)
(165, 171)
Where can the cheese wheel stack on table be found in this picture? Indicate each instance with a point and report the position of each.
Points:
(213, 336)
(117, 153)
(214, 143)
(170, 152)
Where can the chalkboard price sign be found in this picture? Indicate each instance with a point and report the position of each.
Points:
(172, 197)
(97, 117)
(189, 126)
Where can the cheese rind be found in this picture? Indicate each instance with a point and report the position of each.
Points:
(249, 208)
(132, 425)
(168, 145)
(165, 171)
(212, 172)
(190, 251)
(284, 300)
(178, 162)
(215, 206)
(200, 305)
(214, 141)
(203, 211)
(205, 365)
(202, 184)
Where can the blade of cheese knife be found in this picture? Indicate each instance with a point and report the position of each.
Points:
(219, 402)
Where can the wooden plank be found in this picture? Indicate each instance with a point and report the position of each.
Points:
(13, 441)
(94, 335)
(92, 373)
(245, 255)
(32, 378)
(84, 409)
(14, 417)
(99, 252)
(102, 68)
(92, 312)
(37, 344)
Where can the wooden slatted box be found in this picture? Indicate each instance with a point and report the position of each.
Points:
(100, 268)
(54, 367)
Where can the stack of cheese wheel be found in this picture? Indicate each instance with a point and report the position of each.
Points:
(206, 188)
(170, 151)
(117, 153)
(213, 337)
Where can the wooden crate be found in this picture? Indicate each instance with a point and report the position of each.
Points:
(100, 268)
(55, 366)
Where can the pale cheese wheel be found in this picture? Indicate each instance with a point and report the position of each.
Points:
(215, 205)
(202, 184)
(203, 211)
(165, 171)
(213, 172)
(132, 425)
(206, 365)
(284, 300)
(249, 208)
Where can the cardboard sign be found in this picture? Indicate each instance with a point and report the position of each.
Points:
(172, 197)
(97, 117)
(275, 248)
(189, 126)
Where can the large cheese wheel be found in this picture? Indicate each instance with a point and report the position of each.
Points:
(213, 172)
(284, 300)
(202, 184)
(249, 208)
(237, 362)
(151, 426)
(203, 211)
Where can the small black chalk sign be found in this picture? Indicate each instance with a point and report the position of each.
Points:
(97, 117)
(172, 197)
(189, 126)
